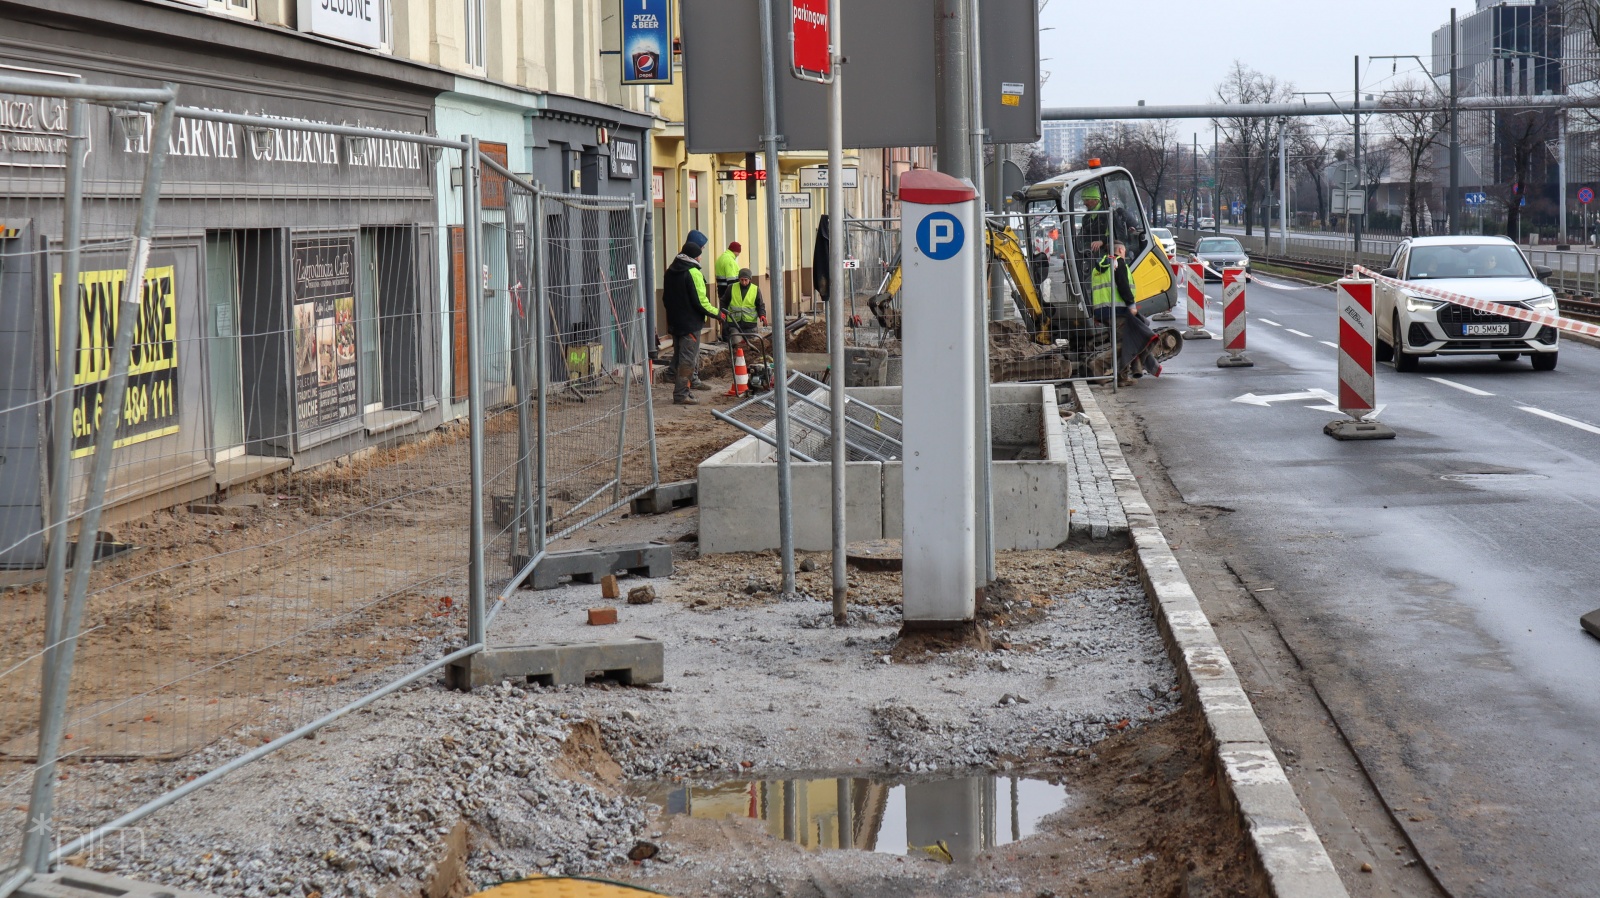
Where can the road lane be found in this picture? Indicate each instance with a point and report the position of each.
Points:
(1431, 584)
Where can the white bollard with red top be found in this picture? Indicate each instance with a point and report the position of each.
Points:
(1196, 286)
(1358, 362)
(1233, 320)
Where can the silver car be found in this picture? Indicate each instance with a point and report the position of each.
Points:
(1218, 253)
(1412, 325)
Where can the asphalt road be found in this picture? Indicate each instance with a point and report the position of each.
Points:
(1431, 584)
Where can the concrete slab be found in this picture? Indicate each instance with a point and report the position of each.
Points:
(589, 565)
(633, 662)
(81, 882)
(667, 496)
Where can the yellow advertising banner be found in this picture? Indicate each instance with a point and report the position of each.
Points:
(150, 408)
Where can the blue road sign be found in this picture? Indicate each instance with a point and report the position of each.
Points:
(1237, 208)
(940, 236)
(1476, 199)
(647, 42)
(1585, 195)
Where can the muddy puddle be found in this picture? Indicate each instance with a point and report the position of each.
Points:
(952, 820)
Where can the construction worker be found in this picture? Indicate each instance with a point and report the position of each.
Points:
(726, 271)
(688, 305)
(745, 308)
(1108, 282)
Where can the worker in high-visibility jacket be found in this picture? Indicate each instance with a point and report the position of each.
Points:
(746, 309)
(726, 271)
(1109, 282)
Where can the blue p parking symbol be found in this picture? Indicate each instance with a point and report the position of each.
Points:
(940, 236)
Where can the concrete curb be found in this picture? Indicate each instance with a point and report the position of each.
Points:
(1289, 857)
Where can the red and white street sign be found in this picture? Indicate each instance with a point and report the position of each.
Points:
(810, 43)
(1483, 305)
(1357, 358)
(1233, 320)
(1196, 286)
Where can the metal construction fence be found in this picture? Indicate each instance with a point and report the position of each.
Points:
(322, 391)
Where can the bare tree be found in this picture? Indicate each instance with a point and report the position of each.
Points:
(1522, 135)
(1251, 142)
(1144, 149)
(1414, 133)
(1376, 161)
(1311, 142)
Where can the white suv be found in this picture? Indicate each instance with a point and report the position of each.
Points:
(1412, 325)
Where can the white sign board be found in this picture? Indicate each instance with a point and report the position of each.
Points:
(818, 177)
(794, 201)
(1348, 202)
(352, 21)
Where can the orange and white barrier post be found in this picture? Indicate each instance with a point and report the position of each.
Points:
(1197, 302)
(1358, 361)
(1233, 320)
(741, 374)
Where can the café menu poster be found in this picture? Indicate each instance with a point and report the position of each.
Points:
(324, 333)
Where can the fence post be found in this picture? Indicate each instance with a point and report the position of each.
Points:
(58, 660)
(471, 232)
(541, 377)
(61, 454)
(642, 214)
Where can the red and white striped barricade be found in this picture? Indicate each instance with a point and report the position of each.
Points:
(1358, 362)
(1233, 320)
(1551, 319)
(1178, 292)
(1196, 287)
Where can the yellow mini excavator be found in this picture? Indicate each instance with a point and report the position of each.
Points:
(1068, 220)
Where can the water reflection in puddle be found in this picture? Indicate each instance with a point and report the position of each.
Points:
(951, 820)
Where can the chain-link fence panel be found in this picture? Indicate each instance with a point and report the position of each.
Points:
(287, 525)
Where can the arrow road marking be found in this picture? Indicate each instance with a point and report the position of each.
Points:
(1570, 422)
(1462, 387)
(1266, 401)
(1298, 333)
(1329, 344)
(1269, 321)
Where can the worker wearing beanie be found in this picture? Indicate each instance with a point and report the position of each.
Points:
(688, 305)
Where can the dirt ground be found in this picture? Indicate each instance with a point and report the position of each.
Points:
(1070, 685)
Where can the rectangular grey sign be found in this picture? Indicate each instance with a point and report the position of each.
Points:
(889, 75)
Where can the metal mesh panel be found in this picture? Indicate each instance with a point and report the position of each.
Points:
(871, 433)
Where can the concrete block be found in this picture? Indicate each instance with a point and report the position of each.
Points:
(739, 502)
(634, 662)
(589, 565)
(667, 496)
(1034, 495)
(81, 882)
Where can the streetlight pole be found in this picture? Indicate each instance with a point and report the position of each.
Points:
(1453, 201)
(1355, 245)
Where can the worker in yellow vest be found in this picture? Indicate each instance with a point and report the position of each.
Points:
(746, 312)
(725, 270)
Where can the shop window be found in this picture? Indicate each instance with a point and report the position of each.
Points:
(389, 326)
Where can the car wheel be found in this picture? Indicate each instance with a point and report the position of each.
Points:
(1545, 361)
(1384, 349)
(1402, 361)
(1510, 356)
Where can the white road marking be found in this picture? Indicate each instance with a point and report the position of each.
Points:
(1462, 387)
(1329, 344)
(1266, 401)
(1570, 422)
(1269, 321)
(1298, 333)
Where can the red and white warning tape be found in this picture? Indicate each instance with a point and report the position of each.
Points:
(1552, 319)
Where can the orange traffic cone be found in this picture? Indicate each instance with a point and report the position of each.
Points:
(741, 374)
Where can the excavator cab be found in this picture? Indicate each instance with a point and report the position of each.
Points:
(1073, 218)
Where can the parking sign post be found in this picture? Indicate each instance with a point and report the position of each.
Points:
(944, 236)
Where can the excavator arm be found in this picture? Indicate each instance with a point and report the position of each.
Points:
(1004, 245)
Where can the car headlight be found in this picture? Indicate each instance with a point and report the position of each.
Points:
(1421, 303)
(1543, 303)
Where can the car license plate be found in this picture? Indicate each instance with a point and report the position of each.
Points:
(1485, 330)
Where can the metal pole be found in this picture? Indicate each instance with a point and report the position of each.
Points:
(1561, 168)
(1283, 191)
(1453, 201)
(57, 676)
(780, 349)
(1216, 181)
(1194, 204)
(67, 322)
(640, 247)
(998, 294)
(1361, 181)
(952, 89)
(985, 448)
(541, 377)
(471, 232)
(836, 311)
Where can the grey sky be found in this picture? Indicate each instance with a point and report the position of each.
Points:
(1176, 51)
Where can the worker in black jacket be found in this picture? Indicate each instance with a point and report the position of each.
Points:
(688, 305)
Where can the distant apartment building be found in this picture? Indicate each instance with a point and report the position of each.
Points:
(1063, 141)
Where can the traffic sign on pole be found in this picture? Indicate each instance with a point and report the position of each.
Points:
(810, 44)
(1585, 195)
